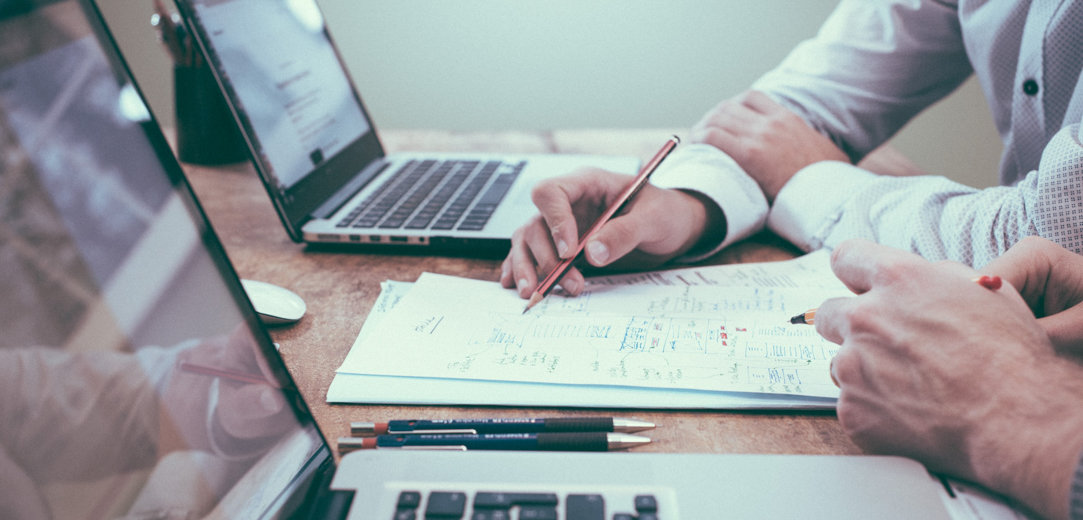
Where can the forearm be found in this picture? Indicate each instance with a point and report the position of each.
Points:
(828, 203)
(899, 57)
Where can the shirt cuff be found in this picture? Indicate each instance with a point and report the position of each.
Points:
(706, 170)
(810, 204)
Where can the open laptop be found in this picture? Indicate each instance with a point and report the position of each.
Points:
(317, 151)
(137, 382)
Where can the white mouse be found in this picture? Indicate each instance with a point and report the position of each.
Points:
(275, 305)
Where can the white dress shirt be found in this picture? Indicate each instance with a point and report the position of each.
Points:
(872, 67)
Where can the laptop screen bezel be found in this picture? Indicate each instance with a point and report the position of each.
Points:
(296, 204)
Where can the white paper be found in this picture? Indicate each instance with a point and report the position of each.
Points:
(703, 332)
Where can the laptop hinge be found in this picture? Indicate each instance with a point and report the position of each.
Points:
(348, 190)
(333, 505)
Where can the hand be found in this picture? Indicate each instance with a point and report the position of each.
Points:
(962, 378)
(245, 411)
(659, 225)
(1050, 279)
(767, 140)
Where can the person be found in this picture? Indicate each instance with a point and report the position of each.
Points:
(980, 384)
(781, 155)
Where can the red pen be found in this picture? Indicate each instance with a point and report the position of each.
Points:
(622, 200)
(989, 282)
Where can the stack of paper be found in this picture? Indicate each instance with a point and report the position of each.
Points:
(706, 337)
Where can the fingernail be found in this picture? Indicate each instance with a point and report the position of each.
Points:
(521, 284)
(598, 252)
(504, 275)
(571, 286)
(562, 248)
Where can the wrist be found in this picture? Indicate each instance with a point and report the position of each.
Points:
(1032, 453)
(709, 224)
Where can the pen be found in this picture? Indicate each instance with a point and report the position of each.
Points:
(580, 441)
(241, 377)
(989, 282)
(514, 425)
(625, 196)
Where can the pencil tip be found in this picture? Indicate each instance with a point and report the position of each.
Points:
(534, 299)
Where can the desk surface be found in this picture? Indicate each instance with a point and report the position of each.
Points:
(340, 289)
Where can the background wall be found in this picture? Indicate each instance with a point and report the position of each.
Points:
(493, 64)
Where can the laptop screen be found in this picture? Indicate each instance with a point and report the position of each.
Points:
(134, 378)
(293, 91)
(282, 77)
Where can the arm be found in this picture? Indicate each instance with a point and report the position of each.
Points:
(933, 216)
(961, 378)
(870, 69)
(841, 94)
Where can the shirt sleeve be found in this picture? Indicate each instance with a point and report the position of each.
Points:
(706, 170)
(870, 69)
(829, 202)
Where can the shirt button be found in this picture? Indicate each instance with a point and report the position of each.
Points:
(1030, 87)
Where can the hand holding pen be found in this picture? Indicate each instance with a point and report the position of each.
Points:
(809, 317)
(617, 203)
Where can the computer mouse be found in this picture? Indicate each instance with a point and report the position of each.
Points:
(275, 305)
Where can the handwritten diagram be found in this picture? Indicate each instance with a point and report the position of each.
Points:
(648, 334)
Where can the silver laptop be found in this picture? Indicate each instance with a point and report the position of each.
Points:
(137, 382)
(318, 153)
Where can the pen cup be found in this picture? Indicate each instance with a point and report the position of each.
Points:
(206, 131)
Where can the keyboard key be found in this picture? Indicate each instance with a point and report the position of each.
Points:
(491, 514)
(646, 503)
(538, 513)
(584, 507)
(445, 505)
(409, 500)
(489, 500)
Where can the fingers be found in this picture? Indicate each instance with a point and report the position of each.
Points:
(861, 264)
(659, 224)
(832, 320)
(533, 252)
(557, 200)
(1065, 330)
(1048, 277)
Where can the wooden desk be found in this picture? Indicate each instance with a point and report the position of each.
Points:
(340, 289)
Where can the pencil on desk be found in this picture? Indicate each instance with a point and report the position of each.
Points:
(622, 200)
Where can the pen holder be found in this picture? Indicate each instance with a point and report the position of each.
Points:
(206, 131)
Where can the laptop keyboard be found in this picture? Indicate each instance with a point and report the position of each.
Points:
(430, 194)
(488, 505)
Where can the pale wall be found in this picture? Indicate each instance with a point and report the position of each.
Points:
(500, 64)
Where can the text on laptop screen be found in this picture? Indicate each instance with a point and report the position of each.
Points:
(132, 384)
(295, 95)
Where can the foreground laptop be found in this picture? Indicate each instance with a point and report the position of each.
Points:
(137, 382)
(317, 151)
